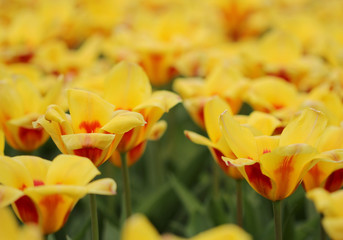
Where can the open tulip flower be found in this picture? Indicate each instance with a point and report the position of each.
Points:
(11, 230)
(21, 103)
(44, 192)
(274, 166)
(128, 88)
(139, 227)
(93, 128)
(223, 81)
(328, 172)
(330, 205)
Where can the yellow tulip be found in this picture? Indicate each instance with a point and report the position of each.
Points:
(139, 227)
(93, 129)
(21, 103)
(127, 87)
(223, 81)
(274, 166)
(330, 205)
(10, 229)
(44, 192)
(260, 123)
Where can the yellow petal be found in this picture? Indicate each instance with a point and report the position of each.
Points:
(139, 227)
(10, 103)
(198, 139)
(9, 195)
(240, 139)
(228, 231)
(13, 173)
(189, 87)
(332, 138)
(127, 86)
(88, 111)
(105, 186)
(287, 167)
(334, 227)
(212, 111)
(71, 170)
(2, 142)
(157, 130)
(164, 100)
(321, 199)
(36, 166)
(263, 122)
(306, 128)
(123, 121)
(51, 95)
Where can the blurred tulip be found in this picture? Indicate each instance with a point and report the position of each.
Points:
(93, 129)
(45, 192)
(139, 227)
(10, 229)
(330, 205)
(21, 103)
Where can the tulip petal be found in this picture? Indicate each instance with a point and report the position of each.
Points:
(13, 173)
(71, 170)
(198, 139)
(240, 139)
(123, 121)
(157, 130)
(36, 166)
(212, 111)
(264, 123)
(333, 227)
(105, 186)
(163, 100)
(139, 227)
(55, 203)
(307, 128)
(9, 195)
(93, 112)
(228, 231)
(127, 85)
(287, 167)
(2, 142)
(332, 138)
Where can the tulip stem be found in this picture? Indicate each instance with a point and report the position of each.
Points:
(239, 202)
(126, 181)
(94, 217)
(277, 219)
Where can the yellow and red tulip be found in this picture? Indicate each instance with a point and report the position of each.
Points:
(93, 128)
(330, 205)
(128, 88)
(21, 103)
(274, 166)
(44, 192)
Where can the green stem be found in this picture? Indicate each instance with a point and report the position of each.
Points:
(94, 217)
(216, 174)
(322, 230)
(239, 202)
(126, 181)
(277, 219)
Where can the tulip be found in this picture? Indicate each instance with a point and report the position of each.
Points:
(128, 88)
(274, 166)
(45, 192)
(21, 103)
(10, 229)
(330, 205)
(93, 128)
(139, 227)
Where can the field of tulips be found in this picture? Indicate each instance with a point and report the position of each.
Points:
(171, 119)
